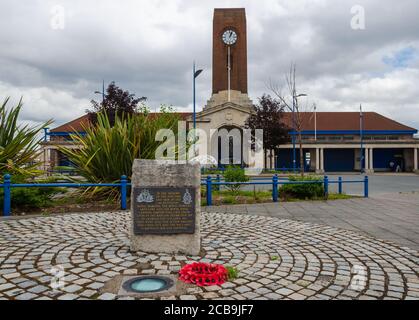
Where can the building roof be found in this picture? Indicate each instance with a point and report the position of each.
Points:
(348, 121)
(75, 125)
(326, 122)
(78, 125)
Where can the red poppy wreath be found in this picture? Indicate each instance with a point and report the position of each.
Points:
(203, 274)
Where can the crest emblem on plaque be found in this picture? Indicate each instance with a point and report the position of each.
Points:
(145, 196)
(187, 198)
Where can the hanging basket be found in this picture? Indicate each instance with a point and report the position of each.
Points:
(203, 274)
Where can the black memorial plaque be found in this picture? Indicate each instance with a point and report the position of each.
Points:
(164, 210)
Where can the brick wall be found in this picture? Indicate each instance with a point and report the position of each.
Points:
(236, 20)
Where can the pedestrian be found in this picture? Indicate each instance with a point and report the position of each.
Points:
(391, 164)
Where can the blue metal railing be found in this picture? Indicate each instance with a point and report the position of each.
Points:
(277, 169)
(218, 178)
(275, 182)
(7, 186)
(211, 183)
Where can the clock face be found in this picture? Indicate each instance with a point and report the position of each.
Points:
(229, 37)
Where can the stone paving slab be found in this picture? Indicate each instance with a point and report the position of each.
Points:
(393, 217)
(277, 259)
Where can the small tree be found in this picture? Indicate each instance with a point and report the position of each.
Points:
(301, 115)
(116, 103)
(235, 174)
(268, 114)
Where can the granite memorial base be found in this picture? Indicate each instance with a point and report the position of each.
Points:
(165, 207)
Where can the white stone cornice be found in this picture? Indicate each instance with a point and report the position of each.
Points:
(224, 106)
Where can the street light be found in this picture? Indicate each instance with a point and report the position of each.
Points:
(196, 73)
(102, 93)
(294, 100)
(361, 137)
(315, 122)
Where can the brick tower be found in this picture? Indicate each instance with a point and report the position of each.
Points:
(229, 19)
(229, 59)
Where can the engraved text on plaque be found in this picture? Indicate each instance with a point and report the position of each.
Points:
(164, 210)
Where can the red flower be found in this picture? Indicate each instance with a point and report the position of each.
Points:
(203, 274)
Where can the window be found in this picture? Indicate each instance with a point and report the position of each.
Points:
(393, 138)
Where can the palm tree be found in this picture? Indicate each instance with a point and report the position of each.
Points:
(19, 144)
(108, 150)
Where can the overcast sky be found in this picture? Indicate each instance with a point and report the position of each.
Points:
(147, 47)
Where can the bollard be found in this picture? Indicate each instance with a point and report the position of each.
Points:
(209, 191)
(340, 185)
(326, 187)
(366, 187)
(7, 196)
(275, 188)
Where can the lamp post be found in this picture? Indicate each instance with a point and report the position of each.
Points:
(102, 93)
(361, 134)
(294, 102)
(315, 122)
(196, 73)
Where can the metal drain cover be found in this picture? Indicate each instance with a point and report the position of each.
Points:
(147, 284)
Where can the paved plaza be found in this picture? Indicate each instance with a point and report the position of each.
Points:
(393, 217)
(277, 259)
(379, 183)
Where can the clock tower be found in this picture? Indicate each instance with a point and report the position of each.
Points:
(229, 59)
(229, 23)
(224, 116)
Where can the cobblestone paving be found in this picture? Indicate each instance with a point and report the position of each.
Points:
(277, 259)
(392, 217)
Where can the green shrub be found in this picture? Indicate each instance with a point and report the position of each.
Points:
(30, 198)
(232, 273)
(235, 174)
(109, 149)
(303, 191)
(229, 200)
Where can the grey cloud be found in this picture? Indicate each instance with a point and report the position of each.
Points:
(148, 47)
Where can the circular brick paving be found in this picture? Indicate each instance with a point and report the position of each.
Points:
(277, 259)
